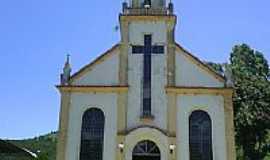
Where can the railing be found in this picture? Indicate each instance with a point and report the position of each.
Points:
(146, 11)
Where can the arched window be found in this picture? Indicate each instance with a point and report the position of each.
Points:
(146, 150)
(200, 136)
(92, 134)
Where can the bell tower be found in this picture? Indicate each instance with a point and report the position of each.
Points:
(150, 7)
(147, 59)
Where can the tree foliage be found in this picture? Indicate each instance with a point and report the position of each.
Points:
(250, 74)
(251, 101)
(216, 67)
(43, 156)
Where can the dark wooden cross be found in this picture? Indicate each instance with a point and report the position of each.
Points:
(147, 50)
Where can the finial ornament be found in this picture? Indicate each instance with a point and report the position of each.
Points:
(65, 76)
(171, 7)
(124, 6)
(68, 57)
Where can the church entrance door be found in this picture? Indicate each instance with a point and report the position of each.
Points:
(146, 150)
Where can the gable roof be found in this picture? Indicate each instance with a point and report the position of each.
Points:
(200, 64)
(110, 52)
(98, 60)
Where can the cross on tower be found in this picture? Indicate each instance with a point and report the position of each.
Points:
(147, 50)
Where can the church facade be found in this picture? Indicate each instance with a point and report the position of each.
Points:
(146, 98)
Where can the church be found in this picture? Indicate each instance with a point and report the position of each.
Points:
(146, 98)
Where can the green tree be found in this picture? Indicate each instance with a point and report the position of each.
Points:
(43, 156)
(216, 67)
(251, 101)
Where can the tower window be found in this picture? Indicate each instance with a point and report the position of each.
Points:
(147, 3)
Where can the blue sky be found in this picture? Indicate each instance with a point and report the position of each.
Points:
(36, 35)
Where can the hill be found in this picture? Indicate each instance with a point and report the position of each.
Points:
(44, 146)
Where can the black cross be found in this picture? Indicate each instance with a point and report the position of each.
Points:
(147, 50)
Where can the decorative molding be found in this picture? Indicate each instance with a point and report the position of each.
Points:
(147, 120)
(97, 61)
(199, 90)
(200, 64)
(91, 89)
(128, 131)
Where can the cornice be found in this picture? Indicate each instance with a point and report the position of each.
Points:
(93, 89)
(199, 90)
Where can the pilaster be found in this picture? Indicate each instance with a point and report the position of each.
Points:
(121, 112)
(171, 113)
(171, 103)
(63, 127)
(229, 127)
(123, 66)
(123, 76)
(173, 154)
(120, 153)
(122, 99)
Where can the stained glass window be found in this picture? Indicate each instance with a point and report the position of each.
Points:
(92, 135)
(200, 136)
